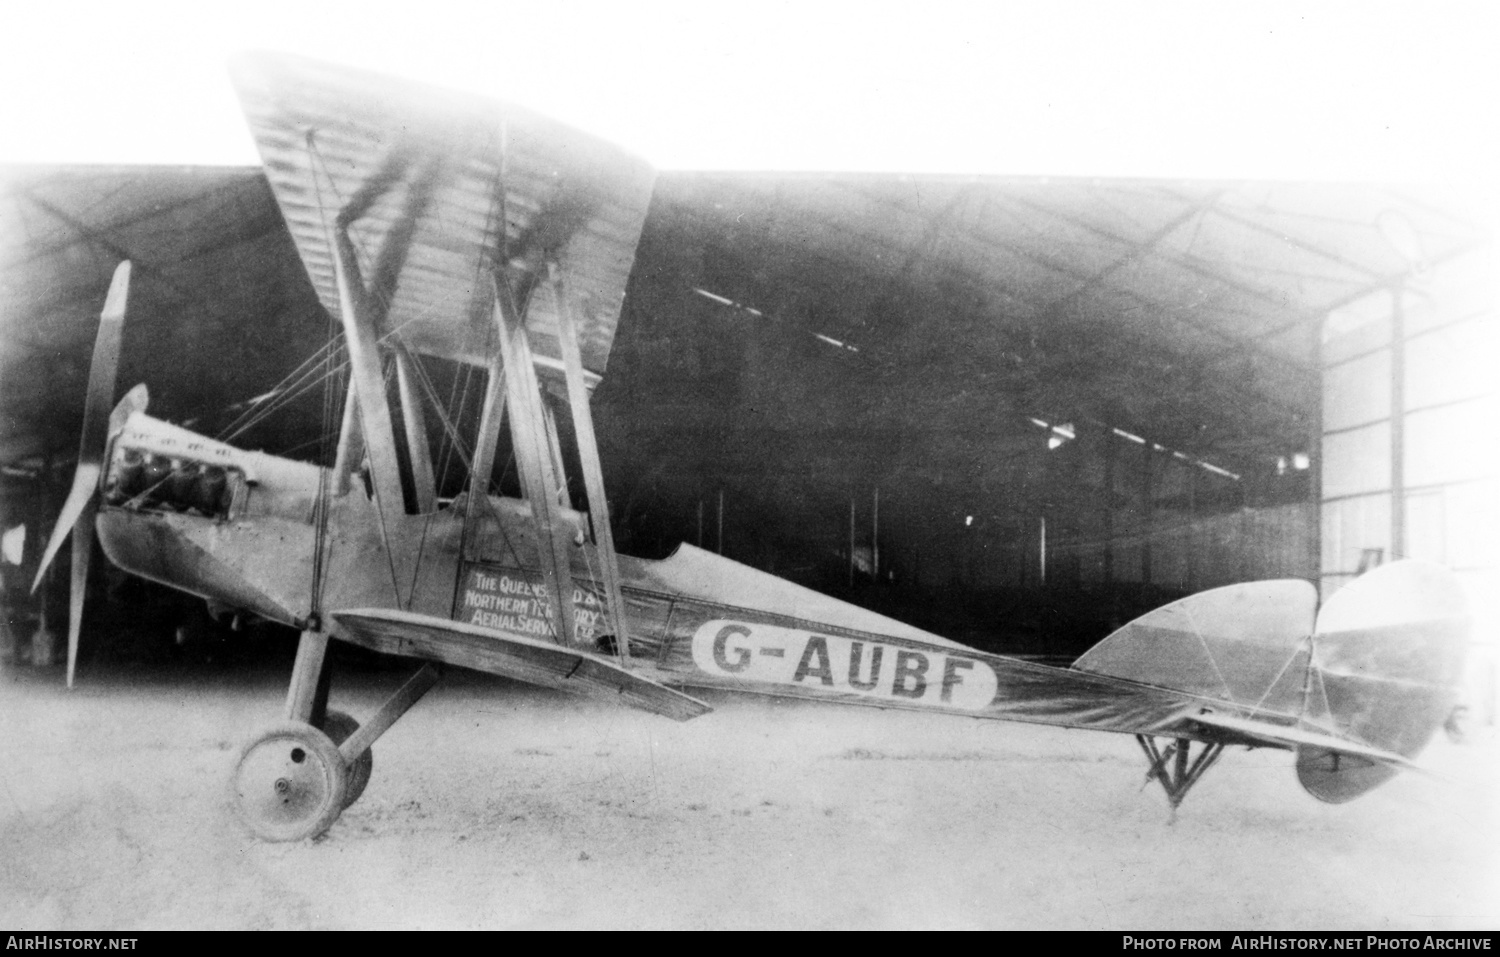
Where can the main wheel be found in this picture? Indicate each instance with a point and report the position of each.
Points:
(338, 726)
(289, 783)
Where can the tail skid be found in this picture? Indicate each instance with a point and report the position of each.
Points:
(1174, 768)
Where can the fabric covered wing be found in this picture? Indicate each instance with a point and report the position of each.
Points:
(534, 662)
(436, 189)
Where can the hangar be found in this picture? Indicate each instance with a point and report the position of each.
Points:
(1016, 412)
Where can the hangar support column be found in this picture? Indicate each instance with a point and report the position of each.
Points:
(1410, 463)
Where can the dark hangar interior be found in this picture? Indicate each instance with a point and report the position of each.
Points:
(1016, 412)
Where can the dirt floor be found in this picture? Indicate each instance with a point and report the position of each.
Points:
(493, 806)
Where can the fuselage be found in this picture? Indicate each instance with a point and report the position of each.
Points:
(244, 529)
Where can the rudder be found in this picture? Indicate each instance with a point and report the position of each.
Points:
(1387, 661)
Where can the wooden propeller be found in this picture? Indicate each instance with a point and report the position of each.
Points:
(78, 511)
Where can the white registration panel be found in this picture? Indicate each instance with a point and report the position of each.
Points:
(767, 653)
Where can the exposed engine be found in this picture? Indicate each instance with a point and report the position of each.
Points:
(145, 480)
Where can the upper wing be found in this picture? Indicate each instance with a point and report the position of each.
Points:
(437, 189)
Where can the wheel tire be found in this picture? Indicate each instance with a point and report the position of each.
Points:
(338, 726)
(289, 783)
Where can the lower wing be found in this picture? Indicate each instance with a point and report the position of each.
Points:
(534, 662)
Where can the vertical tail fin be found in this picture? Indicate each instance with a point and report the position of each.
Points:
(1244, 644)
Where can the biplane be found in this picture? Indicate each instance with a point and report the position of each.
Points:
(435, 227)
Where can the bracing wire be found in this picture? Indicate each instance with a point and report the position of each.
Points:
(290, 381)
(271, 407)
(467, 375)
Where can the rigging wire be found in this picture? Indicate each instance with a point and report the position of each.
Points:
(467, 375)
(276, 403)
(275, 392)
(430, 392)
(315, 441)
(271, 407)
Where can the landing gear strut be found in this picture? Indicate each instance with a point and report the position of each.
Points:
(295, 778)
(1174, 768)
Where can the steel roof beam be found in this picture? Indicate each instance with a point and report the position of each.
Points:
(1250, 342)
(122, 252)
(1190, 266)
(1213, 329)
(1383, 283)
(88, 290)
(1146, 247)
(1293, 241)
(1238, 343)
(124, 223)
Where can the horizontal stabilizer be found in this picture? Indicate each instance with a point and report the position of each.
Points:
(1285, 736)
(534, 662)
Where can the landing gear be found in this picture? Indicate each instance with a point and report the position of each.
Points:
(338, 726)
(296, 777)
(290, 783)
(1174, 768)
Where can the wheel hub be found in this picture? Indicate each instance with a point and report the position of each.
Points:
(289, 783)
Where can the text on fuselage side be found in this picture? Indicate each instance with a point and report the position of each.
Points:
(506, 601)
(861, 666)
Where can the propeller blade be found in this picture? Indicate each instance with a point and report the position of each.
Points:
(85, 481)
(101, 394)
(79, 509)
(83, 549)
